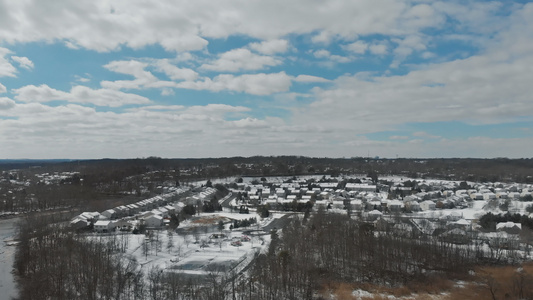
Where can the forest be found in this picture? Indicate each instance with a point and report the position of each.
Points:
(303, 258)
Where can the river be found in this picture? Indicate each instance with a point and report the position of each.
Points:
(8, 287)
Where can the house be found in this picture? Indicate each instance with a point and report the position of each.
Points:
(109, 214)
(461, 224)
(427, 205)
(321, 204)
(162, 211)
(133, 209)
(454, 216)
(121, 211)
(489, 196)
(123, 225)
(179, 207)
(153, 221)
(412, 206)
(171, 209)
(476, 196)
(509, 227)
(356, 204)
(78, 223)
(374, 215)
(104, 226)
(395, 205)
(328, 185)
(513, 195)
(324, 195)
(360, 187)
(338, 204)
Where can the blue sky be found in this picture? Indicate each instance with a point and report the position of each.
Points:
(120, 79)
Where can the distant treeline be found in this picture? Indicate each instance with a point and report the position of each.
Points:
(97, 182)
(472, 169)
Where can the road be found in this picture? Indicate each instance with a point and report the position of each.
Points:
(227, 201)
(280, 222)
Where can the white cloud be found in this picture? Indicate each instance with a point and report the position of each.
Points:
(175, 73)
(6, 103)
(406, 47)
(143, 79)
(79, 78)
(131, 67)
(167, 92)
(105, 97)
(42, 93)
(184, 26)
(399, 137)
(428, 55)
(78, 94)
(325, 54)
(322, 53)
(359, 47)
(270, 47)
(379, 48)
(2, 89)
(309, 78)
(255, 84)
(240, 60)
(489, 88)
(23, 62)
(424, 134)
(323, 37)
(76, 131)
(6, 68)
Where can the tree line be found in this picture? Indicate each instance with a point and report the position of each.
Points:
(53, 262)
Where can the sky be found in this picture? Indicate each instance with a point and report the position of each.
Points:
(84, 79)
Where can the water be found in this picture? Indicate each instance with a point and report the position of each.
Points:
(8, 288)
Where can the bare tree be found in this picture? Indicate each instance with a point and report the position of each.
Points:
(170, 241)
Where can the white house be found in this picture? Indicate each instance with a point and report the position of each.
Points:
(412, 205)
(476, 196)
(374, 215)
(104, 226)
(356, 204)
(360, 187)
(489, 196)
(321, 203)
(427, 205)
(509, 227)
(338, 204)
(394, 205)
(154, 221)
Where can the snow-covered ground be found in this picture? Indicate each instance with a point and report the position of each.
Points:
(199, 252)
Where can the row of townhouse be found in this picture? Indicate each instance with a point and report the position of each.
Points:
(204, 195)
(107, 220)
(155, 218)
(143, 205)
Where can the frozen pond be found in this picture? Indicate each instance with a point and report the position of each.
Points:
(7, 255)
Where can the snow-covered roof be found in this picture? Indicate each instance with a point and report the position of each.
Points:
(102, 223)
(462, 222)
(508, 225)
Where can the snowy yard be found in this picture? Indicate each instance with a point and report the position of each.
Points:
(199, 248)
